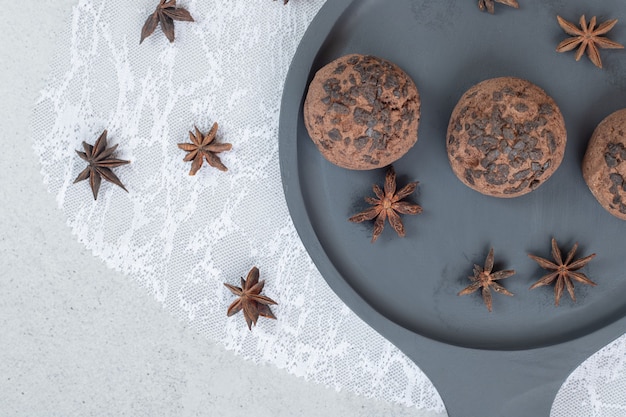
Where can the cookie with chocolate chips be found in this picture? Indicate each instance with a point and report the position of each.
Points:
(506, 137)
(604, 165)
(362, 112)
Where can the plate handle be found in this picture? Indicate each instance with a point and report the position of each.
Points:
(474, 383)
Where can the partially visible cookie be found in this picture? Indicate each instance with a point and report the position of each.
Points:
(506, 137)
(604, 165)
(362, 112)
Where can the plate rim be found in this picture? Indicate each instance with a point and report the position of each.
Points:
(420, 348)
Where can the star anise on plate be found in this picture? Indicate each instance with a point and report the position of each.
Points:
(203, 147)
(165, 14)
(587, 38)
(387, 205)
(489, 5)
(250, 299)
(486, 279)
(100, 161)
(563, 271)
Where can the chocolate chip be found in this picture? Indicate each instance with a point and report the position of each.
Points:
(391, 81)
(361, 116)
(611, 162)
(616, 179)
(546, 108)
(360, 142)
(475, 130)
(518, 176)
(370, 160)
(340, 69)
(508, 133)
(497, 174)
(521, 107)
(551, 142)
(516, 163)
(353, 60)
(469, 177)
(536, 154)
(504, 147)
(534, 184)
(335, 135)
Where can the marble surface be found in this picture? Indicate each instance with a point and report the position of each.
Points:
(75, 341)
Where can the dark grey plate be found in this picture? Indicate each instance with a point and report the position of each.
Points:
(510, 362)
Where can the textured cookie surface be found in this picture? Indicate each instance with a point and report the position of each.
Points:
(506, 137)
(362, 112)
(604, 165)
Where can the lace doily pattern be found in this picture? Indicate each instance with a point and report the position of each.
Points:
(181, 237)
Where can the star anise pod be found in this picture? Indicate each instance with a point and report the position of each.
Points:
(250, 299)
(564, 271)
(489, 5)
(587, 38)
(388, 205)
(100, 163)
(486, 279)
(202, 147)
(165, 14)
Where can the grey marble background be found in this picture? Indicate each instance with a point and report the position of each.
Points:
(77, 339)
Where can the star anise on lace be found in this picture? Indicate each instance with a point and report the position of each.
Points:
(100, 163)
(388, 205)
(165, 14)
(250, 299)
(486, 279)
(587, 38)
(489, 5)
(563, 271)
(203, 147)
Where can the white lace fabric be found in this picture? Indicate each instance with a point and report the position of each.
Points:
(183, 236)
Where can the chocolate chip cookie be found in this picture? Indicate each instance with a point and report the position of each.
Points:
(506, 137)
(604, 165)
(362, 112)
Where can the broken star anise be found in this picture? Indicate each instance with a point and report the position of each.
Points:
(203, 147)
(388, 205)
(564, 271)
(165, 14)
(486, 279)
(250, 299)
(587, 38)
(489, 5)
(100, 163)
